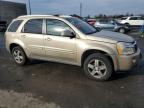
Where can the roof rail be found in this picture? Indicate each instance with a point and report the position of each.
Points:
(30, 16)
(23, 16)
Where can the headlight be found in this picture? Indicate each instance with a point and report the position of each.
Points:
(125, 48)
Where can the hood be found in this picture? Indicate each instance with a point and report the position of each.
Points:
(110, 37)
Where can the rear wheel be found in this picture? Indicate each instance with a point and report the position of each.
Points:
(98, 67)
(19, 55)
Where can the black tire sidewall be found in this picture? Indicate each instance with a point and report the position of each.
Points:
(103, 58)
(23, 54)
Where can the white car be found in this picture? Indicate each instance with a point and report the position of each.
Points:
(133, 20)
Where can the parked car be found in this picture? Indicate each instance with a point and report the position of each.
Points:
(2, 26)
(91, 21)
(112, 25)
(69, 40)
(133, 21)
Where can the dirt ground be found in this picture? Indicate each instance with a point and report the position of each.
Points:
(52, 85)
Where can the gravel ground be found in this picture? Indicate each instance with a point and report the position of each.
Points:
(11, 99)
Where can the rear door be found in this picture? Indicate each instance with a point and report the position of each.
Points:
(137, 21)
(32, 36)
(133, 21)
(140, 21)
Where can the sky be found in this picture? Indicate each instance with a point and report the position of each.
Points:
(90, 7)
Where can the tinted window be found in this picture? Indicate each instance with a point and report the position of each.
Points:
(56, 27)
(133, 18)
(14, 26)
(139, 18)
(33, 26)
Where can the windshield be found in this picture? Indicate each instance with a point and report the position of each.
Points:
(82, 26)
(124, 18)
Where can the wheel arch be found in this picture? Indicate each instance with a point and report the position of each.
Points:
(12, 45)
(91, 51)
(127, 24)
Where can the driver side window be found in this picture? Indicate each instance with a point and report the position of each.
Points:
(56, 27)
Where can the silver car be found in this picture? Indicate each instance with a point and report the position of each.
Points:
(112, 25)
(69, 40)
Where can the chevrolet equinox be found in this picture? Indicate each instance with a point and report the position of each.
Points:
(66, 39)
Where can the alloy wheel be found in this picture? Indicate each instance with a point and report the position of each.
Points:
(97, 68)
(17, 54)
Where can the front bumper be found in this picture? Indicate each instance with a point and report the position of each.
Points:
(127, 62)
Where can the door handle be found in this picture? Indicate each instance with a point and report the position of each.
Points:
(23, 36)
(48, 39)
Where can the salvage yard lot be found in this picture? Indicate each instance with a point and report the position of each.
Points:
(64, 86)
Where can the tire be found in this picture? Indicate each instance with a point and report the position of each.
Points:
(127, 24)
(98, 67)
(122, 30)
(19, 55)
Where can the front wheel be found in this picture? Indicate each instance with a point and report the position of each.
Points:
(127, 24)
(19, 55)
(122, 30)
(98, 67)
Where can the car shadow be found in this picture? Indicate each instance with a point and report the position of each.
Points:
(116, 76)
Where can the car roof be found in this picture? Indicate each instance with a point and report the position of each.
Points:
(131, 16)
(136, 16)
(42, 16)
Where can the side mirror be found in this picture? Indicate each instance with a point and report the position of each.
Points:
(68, 33)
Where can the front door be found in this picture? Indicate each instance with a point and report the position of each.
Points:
(58, 47)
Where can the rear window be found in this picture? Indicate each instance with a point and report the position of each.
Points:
(14, 26)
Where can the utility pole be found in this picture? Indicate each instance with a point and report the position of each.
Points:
(81, 9)
(29, 3)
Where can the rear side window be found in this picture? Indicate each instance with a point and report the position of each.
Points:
(133, 18)
(33, 26)
(140, 18)
(14, 26)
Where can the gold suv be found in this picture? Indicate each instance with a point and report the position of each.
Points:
(69, 40)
